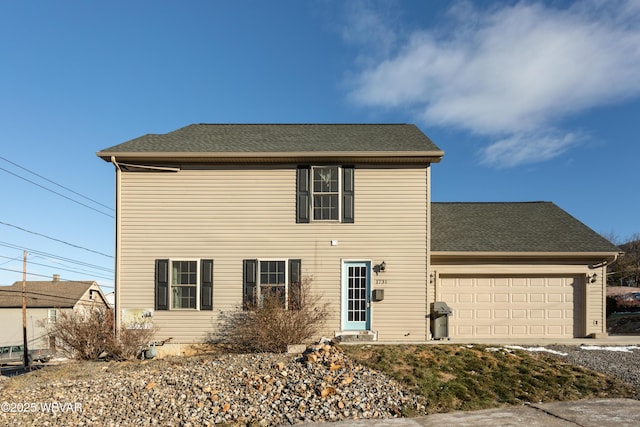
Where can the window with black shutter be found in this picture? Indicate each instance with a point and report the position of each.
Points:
(325, 193)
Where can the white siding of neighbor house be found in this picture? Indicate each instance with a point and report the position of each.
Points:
(233, 213)
(11, 331)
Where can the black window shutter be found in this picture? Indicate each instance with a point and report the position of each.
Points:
(303, 194)
(162, 285)
(295, 284)
(249, 282)
(347, 194)
(206, 284)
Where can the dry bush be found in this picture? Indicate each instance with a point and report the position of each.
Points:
(88, 333)
(272, 327)
(130, 342)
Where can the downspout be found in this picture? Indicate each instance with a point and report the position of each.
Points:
(116, 284)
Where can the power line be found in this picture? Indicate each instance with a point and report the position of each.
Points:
(55, 192)
(55, 183)
(53, 297)
(61, 268)
(11, 259)
(62, 279)
(58, 257)
(55, 240)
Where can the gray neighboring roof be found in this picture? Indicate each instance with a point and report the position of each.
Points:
(49, 294)
(281, 138)
(511, 227)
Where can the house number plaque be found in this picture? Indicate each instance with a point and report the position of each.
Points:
(381, 281)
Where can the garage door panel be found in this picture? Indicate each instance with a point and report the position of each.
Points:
(518, 297)
(501, 298)
(510, 307)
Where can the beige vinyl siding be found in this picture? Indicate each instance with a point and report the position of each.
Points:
(229, 214)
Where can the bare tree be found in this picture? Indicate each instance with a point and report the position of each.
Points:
(626, 270)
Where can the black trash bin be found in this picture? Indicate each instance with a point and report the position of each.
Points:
(440, 313)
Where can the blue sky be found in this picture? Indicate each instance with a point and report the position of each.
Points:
(529, 100)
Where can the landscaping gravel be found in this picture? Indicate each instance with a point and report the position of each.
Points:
(622, 362)
(232, 389)
(256, 389)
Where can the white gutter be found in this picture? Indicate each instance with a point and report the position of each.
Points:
(155, 168)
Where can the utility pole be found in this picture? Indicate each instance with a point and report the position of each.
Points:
(24, 312)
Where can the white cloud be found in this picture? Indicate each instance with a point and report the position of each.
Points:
(519, 148)
(512, 72)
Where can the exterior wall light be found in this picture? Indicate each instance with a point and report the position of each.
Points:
(379, 267)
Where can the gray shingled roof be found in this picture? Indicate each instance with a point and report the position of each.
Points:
(45, 294)
(511, 227)
(275, 138)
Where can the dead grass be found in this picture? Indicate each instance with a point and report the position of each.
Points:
(454, 377)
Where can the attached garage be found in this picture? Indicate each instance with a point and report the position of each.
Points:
(518, 271)
(514, 307)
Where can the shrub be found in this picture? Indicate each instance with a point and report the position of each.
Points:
(271, 327)
(89, 333)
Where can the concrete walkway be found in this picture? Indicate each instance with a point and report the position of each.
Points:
(587, 413)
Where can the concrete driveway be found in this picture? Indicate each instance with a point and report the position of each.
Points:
(588, 413)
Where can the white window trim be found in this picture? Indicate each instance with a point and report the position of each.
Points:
(313, 193)
(286, 279)
(50, 318)
(171, 285)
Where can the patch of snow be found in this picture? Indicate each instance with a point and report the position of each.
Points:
(624, 349)
(537, 349)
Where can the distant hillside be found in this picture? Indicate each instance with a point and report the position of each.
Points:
(626, 270)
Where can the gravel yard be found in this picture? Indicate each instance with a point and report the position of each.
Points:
(257, 389)
(260, 389)
(622, 362)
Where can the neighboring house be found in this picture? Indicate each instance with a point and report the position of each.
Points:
(211, 217)
(45, 301)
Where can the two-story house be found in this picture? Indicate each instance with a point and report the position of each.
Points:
(212, 216)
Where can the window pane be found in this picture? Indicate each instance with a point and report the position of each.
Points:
(184, 297)
(272, 272)
(325, 180)
(325, 207)
(184, 278)
(272, 295)
(184, 273)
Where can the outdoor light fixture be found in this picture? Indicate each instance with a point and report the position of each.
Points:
(379, 267)
(593, 277)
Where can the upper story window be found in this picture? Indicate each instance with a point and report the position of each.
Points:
(325, 193)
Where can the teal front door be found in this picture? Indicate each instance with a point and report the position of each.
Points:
(356, 288)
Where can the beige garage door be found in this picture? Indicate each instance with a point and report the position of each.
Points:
(512, 307)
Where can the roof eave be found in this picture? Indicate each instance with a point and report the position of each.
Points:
(413, 157)
(524, 255)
